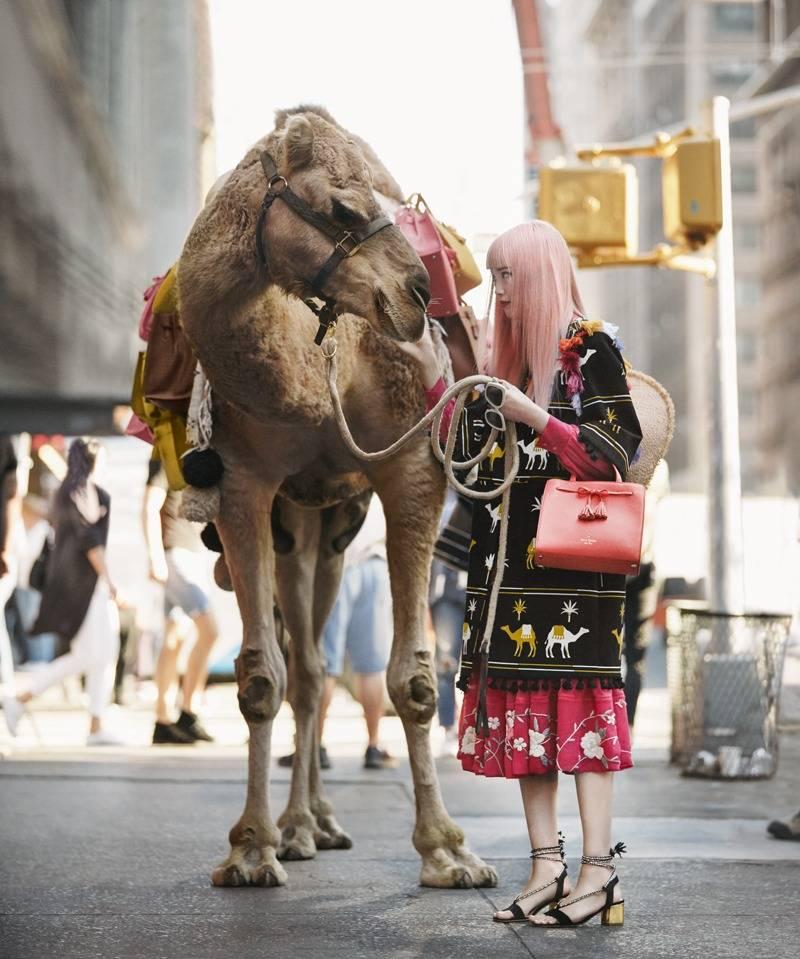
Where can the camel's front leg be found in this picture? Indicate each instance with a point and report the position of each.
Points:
(306, 598)
(244, 526)
(412, 514)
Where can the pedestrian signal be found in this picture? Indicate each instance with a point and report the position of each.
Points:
(593, 207)
(692, 192)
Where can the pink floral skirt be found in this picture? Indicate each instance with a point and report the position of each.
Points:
(572, 730)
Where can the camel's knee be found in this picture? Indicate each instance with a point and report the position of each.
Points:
(261, 688)
(413, 691)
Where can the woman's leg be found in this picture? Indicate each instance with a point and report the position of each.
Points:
(595, 792)
(447, 618)
(101, 629)
(539, 800)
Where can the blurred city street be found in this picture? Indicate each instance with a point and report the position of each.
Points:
(109, 848)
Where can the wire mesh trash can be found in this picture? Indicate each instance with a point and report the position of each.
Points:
(724, 674)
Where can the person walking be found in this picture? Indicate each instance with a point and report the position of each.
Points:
(78, 597)
(551, 700)
(177, 561)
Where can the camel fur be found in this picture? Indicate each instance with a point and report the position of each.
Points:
(292, 495)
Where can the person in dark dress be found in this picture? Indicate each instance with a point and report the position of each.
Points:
(78, 595)
(552, 699)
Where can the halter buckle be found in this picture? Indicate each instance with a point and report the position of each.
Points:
(274, 181)
(343, 244)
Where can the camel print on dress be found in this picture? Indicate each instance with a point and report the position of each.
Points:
(561, 636)
(523, 634)
(292, 495)
(533, 452)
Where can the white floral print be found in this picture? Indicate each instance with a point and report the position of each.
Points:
(519, 744)
(494, 722)
(468, 741)
(591, 744)
(537, 739)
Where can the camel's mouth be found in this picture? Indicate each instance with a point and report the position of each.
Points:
(400, 323)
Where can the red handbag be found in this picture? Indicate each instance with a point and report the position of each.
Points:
(593, 526)
(418, 226)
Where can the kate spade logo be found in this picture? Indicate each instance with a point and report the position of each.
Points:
(588, 541)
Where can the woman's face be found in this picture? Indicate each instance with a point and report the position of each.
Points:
(503, 287)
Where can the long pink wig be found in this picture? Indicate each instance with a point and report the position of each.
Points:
(544, 300)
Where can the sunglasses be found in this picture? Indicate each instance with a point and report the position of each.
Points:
(495, 394)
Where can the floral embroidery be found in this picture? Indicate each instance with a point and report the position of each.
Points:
(519, 744)
(591, 744)
(494, 722)
(468, 741)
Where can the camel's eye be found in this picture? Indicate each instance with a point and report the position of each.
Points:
(345, 215)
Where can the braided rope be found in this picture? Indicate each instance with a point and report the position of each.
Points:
(461, 391)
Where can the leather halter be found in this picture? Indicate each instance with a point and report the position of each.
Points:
(346, 243)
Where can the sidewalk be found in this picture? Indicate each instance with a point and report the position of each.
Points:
(107, 853)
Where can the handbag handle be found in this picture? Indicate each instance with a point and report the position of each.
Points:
(418, 201)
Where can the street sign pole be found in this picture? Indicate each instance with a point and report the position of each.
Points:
(726, 540)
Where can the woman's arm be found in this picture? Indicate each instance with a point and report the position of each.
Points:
(97, 557)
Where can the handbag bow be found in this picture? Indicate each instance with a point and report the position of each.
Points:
(599, 511)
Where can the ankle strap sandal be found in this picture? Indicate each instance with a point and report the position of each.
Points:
(613, 913)
(551, 854)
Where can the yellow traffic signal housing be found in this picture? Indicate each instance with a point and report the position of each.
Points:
(692, 192)
(592, 207)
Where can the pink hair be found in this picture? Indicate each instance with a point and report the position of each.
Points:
(544, 300)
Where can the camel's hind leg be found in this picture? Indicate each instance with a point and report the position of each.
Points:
(307, 593)
(244, 526)
(412, 514)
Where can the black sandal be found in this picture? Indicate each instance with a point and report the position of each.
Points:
(542, 852)
(613, 913)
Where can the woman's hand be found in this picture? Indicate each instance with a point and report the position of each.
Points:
(520, 408)
(424, 352)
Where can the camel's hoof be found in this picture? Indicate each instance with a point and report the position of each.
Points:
(333, 840)
(297, 842)
(253, 868)
(456, 869)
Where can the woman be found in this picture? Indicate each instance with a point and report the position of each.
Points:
(554, 701)
(77, 600)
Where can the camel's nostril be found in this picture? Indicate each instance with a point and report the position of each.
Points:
(422, 295)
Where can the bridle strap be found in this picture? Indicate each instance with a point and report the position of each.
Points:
(346, 242)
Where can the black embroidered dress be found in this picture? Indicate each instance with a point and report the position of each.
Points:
(555, 646)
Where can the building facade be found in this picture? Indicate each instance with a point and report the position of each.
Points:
(105, 135)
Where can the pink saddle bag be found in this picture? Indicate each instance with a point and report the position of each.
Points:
(418, 226)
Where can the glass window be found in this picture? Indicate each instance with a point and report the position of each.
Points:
(746, 236)
(743, 178)
(733, 17)
(748, 292)
(725, 78)
(746, 347)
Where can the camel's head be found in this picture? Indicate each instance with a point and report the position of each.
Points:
(384, 281)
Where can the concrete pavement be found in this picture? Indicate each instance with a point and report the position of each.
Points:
(107, 853)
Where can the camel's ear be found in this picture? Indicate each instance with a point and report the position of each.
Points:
(299, 142)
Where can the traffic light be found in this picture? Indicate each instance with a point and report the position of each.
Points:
(593, 207)
(692, 192)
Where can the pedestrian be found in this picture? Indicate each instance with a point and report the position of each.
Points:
(552, 693)
(359, 628)
(8, 567)
(78, 599)
(446, 601)
(177, 561)
(641, 595)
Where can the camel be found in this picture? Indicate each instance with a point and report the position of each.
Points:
(291, 495)
(495, 453)
(521, 635)
(564, 637)
(533, 451)
(496, 513)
